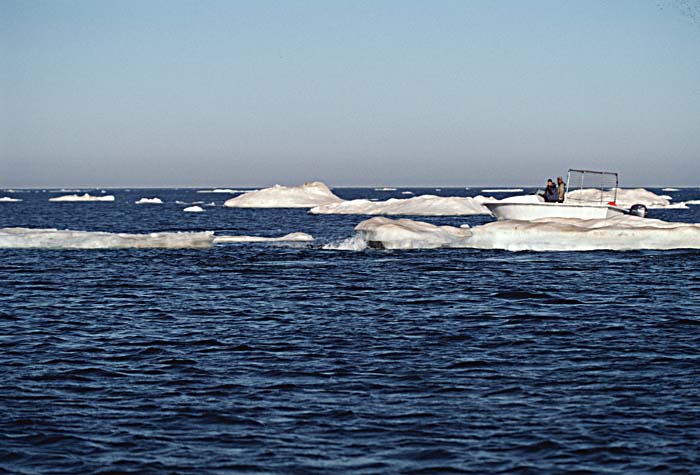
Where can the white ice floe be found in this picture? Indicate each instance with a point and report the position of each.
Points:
(424, 205)
(225, 190)
(502, 190)
(7, 199)
(149, 201)
(621, 233)
(670, 189)
(84, 197)
(385, 188)
(178, 202)
(193, 209)
(66, 239)
(292, 237)
(406, 192)
(626, 197)
(308, 195)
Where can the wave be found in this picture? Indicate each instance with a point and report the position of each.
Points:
(24, 238)
(618, 234)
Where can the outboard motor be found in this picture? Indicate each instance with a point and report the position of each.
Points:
(639, 210)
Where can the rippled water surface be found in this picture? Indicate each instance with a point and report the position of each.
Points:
(273, 358)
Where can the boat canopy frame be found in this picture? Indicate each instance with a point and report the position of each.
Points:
(606, 182)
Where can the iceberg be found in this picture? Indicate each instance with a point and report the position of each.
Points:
(193, 209)
(621, 233)
(149, 201)
(25, 238)
(626, 197)
(308, 195)
(7, 199)
(85, 197)
(423, 205)
(292, 237)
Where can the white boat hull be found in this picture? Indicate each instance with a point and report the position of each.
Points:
(532, 211)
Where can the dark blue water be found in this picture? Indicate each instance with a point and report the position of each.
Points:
(260, 358)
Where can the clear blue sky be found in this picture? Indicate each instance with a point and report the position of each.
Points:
(177, 93)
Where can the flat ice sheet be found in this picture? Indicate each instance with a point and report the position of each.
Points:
(84, 197)
(619, 234)
(291, 237)
(23, 238)
(424, 205)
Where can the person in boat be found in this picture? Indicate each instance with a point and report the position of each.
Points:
(561, 187)
(550, 193)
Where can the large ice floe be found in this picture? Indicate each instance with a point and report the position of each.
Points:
(621, 233)
(424, 205)
(626, 197)
(24, 238)
(292, 237)
(308, 195)
(84, 197)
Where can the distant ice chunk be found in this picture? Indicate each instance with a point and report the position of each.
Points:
(423, 205)
(225, 190)
(292, 237)
(626, 197)
(66, 239)
(670, 189)
(692, 202)
(193, 209)
(7, 199)
(502, 190)
(618, 234)
(149, 201)
(308, 195)
(84, 197)
(385, 188)
(406, 192)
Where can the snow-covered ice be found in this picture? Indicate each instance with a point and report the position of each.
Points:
(692, 202)
(66, 239)
(149, 201)
(308, 195)
(193, 209)
(620, 233)
(7, 199)
(626, 197)
(423, 205)
(670, 189)
(292, 237)
(84, 197)
(385, 188)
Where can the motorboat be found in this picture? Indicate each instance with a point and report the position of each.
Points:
(531, 207)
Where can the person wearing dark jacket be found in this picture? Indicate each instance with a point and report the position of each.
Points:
(551, 195)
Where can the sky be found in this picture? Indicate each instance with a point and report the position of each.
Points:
(351, 93)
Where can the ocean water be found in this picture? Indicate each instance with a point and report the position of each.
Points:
(292, 359)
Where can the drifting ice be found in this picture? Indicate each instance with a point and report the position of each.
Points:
(224, 190)
(66, 239)
(502, 190)
(308, 195)
(618, 234)
(626, 198)
(193, 209)
(292, 237)
(424, 205)
(85, 197)
(149, 201)
(7, 199)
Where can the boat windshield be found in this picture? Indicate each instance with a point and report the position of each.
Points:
(586, 186)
